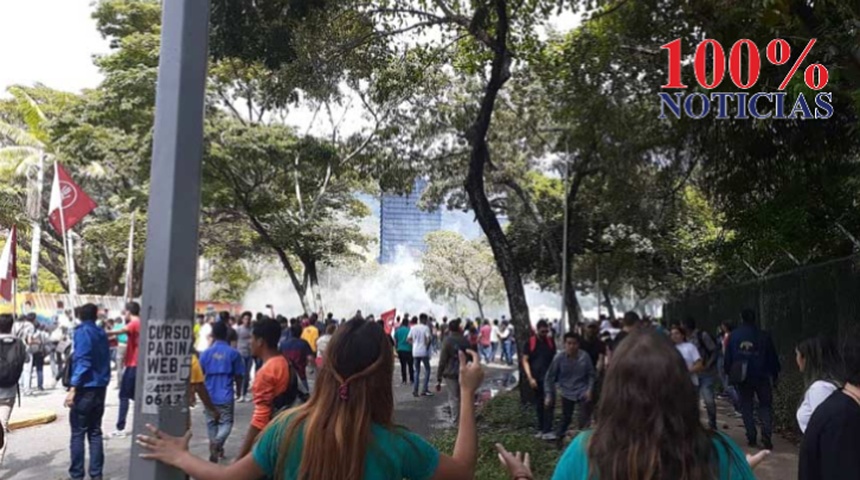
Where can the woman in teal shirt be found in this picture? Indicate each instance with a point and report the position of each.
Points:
(648, 425)
(346, 430)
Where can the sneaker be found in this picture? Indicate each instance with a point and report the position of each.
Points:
(213, 453)
(752, 443)
(118, 434)
(539, 435)
(427, 394)
(767, 444)
(549, 436)
(415, 394)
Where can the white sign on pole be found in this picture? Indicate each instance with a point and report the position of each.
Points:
(168, 364)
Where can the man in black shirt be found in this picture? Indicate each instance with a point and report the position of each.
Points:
(831, 445)
(594, 346)
(538, 353)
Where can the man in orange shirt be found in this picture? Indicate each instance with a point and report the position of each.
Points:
(272, 380)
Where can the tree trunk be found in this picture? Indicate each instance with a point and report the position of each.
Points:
(474, 185)
(313, 277)
(480, 308)
(608, 302)
(301, 288)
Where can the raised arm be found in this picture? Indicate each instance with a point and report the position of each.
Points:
(461, 465)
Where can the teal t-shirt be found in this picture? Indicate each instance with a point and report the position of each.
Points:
(400, 336)
(393, 454)
(120, 338)
(574, 463)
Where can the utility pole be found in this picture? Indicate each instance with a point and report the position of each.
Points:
(170, 265)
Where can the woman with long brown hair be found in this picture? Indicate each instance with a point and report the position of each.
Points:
(346, 430)
(648, 425)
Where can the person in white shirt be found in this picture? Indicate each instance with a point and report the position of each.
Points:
(419, 338)
(204, 338)
(819, 361)
(689, 352)
(495, 338)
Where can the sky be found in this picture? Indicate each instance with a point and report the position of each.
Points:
(49, 41)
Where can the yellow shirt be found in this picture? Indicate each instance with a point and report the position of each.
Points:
(196, 371)
(310, 335)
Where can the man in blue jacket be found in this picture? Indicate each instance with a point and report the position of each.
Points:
(86, 398)
(753, 367)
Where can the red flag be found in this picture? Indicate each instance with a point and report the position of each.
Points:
(388, 320)
(8, 264)
(76, 204)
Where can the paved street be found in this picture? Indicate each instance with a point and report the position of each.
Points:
(42, 452)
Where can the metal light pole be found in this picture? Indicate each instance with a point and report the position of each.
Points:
(172, 233)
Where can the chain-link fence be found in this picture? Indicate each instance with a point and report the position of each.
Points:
(822, 299)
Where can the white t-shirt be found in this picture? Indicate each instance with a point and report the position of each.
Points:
(814, 396)
(691, 356)
(322, 344)
(495, 334)
(420, 335)
(203, 338)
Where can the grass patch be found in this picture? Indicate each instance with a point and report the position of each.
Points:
(503, 420)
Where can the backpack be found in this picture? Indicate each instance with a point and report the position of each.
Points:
(295, 391)
(68, 367)
(738, 370)
(13, 356)
(36, 344)
(533, 342)
(704, 351)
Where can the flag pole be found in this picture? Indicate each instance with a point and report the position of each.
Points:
(129, 265)
(15, 298)
(63, 234)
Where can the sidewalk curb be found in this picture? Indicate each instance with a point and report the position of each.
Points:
(40, 417)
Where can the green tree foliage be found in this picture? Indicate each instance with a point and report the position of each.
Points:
(453, 266)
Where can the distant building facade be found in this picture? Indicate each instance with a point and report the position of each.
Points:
(403, 224)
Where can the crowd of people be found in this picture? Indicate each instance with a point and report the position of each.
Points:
(634, 385)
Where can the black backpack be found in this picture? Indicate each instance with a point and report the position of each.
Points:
(295, 391)
(68, 368)
(13, 356)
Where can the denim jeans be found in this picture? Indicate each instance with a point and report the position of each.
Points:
(85, 418)
(407, 364)
(544, 414)
(246, 381)
(418, 362)
(762, 389)
(706, 390)
(126, 394)
(485, 351)
(453, 385)
(220, 430)
(494, 347)
(39, 367)
(508, 352)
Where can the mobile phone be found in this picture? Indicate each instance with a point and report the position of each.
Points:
(465, 351)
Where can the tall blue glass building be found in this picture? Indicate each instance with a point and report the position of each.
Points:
(403, 224)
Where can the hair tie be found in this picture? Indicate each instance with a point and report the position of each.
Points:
(343, 391)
